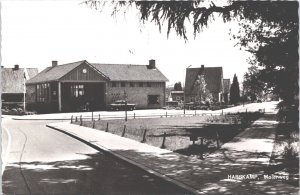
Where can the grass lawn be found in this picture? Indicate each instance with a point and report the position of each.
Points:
(179, 130)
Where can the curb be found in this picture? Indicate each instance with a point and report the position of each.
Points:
(131, 162)
(41, 119)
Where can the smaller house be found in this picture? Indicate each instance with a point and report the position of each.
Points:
(177, 96)
(213, 77)
(13, 85)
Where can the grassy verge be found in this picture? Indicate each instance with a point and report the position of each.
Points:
(177, 133)
(285, 155)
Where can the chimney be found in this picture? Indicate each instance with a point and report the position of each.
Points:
(151, 64)
(16, 67)
(54, 63)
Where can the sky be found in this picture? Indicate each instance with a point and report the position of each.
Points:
(36, 32)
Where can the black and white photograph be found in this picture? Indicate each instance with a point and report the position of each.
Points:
(149, 97)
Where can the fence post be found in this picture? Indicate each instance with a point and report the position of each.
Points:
(201, 154)
(71, 119)
(80, 120)
(99, 118)
(164, 140)
(195, 113)
(76, 119)
(92, 116)
(217, 136)
(106, 130)
(123, 133)
(144, 136)
(166, 114)
(222, 112)
(93, 124)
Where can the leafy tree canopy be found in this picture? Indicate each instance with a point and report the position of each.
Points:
(253, 87)
(176, 13)
(177, 86)
(268, 29)
(203, 94)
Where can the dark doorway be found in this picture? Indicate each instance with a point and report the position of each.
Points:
(82, 96)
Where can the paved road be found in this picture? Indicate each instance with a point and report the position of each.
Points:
(151, 113)
(43, 161)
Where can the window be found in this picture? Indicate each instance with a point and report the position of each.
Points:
(77, 90)
(140, 84)
(148, 84)
(177, 98)
(131, 84)
(153, 99)
(155, 84)
(123, 84)
(42, 92)
(114, 84)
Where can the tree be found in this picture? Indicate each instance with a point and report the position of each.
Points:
(234, 91)
(273, 41)
(203, 94)
(253, 87)
(268, 29)
(177, 86)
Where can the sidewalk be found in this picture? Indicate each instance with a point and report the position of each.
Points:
(247, 153)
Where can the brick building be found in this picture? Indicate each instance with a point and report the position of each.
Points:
(71, 87)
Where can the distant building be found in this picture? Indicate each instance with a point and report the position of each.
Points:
(213, 77)
(227, 84)
(177, 96)
(12, 83)
(82, 85)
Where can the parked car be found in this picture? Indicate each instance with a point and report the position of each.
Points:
(121, 105)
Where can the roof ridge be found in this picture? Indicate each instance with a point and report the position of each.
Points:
(120, 64)
(66, 64)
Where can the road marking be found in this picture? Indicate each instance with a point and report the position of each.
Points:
(4, 160)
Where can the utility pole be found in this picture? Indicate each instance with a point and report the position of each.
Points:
(243, 95)
(125, 98)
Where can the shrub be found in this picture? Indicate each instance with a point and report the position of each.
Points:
(290, 153)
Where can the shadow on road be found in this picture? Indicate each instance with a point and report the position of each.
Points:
(97, 174)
